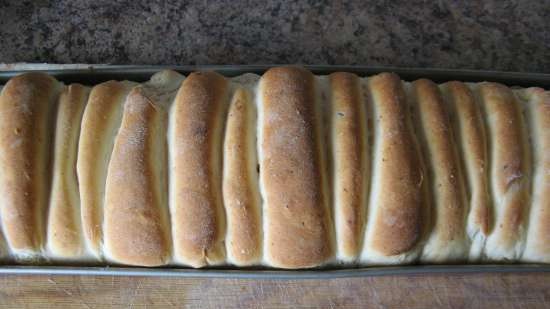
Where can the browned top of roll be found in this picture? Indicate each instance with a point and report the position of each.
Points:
(197, 210)
(503, 112)
(538, 241)
(398, 176)
(64, 228)
(99, 124)
(297, 226)
(471, 135)
(136, 232)
(447, 239)
(25, 105)
(542, 112)
(510, 162)
(349, 139)
(240, 192)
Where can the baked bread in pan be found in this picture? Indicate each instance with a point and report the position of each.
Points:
(285, 170)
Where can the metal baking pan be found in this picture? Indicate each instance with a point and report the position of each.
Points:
(93, 75)
(140, 73)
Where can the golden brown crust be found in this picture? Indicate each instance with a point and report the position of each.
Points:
(240, 192)
(397, 203)
(447, 240)
(471, 140)
(537, 247)
(196, 142)
(100, 121)
(349, 142)
(136, 230)
(65, 237)
(4, 251)
(26, 105)
(509, 170)
(297, 224)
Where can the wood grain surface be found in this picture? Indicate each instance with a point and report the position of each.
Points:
(418, 291)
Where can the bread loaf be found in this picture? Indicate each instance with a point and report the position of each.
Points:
(349, 140)
(509, 171)
(470, 138)
(4, 251)
(65, 235)
(297, 231)
(397, 217)
(137, 228)
(537, 105)
(284, 170)
(240, 184)
(100, 123)
(27, 105)
(195, 138)
(447, 240)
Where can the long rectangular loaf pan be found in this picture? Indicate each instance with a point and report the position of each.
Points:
(140, 73)
(94, 75)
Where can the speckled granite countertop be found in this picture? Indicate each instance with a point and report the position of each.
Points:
(495, 35)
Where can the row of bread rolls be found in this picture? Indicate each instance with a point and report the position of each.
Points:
(286, 170)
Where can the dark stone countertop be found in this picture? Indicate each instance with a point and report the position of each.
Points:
(494, 35)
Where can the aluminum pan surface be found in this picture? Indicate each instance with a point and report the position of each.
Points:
(142, 73)
(272, 274)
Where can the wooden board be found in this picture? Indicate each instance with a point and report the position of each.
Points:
(418, 291)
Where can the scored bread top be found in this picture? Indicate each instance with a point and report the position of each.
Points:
(287, 170)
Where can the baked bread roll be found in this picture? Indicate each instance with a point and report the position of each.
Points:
(136, 223)
(297, 226)
(100, 123)
(537, 104)
(195, 139)
(4, 251)
(509, 171)
(470, 138)
(65, 236)
(27, 104)
(447, 240)
(349, 143)
(240, 182)
(397, 214)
